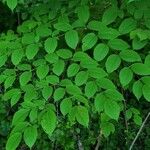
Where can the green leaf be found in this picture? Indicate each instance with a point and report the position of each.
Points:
(42, 71)
(33, 114)
(73, 70)
(137, 119)
(125, 76)
(47, 92)
(127, 25)
(50, 45)
(97, 73)
(20, 116)
(16, 56)
(137, 89)
(118, 44)
(64, 53)
(105, 83)
(147, 60)
(90, 89)
(89, 41)
(137, 44)
(140, 69)
(51, 58)
(28, 38)
(3, 59)
(100, 51)
(9, 81)
(112, 109)
(58, 67)
(96, 25)
(110, 15)
(107, 128)
(15, 98)
(52, 79)
(31, 51)
(59, 94)
(112, 63)
(25, 78)
(13, 141)
(30, 136)
(113, 94)
(99, 102)
(11, 4)
(48, 122)
(63, 26)
(73, 90)
(82, 115)
(108, 33)
(72, 38)
(81, 78)
(130, 56)
(146, 92)
(65, 106)
(83, 13)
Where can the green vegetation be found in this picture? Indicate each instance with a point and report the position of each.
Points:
(74, 74)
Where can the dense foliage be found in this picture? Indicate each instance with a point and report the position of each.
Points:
(74, 74)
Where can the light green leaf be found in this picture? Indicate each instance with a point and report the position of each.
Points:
(140, 69)
(20, 116)
(58, 67)
(9, 81)
(112, 109)
(48, 122)
(105, 83)
(42, 71)
(64, 53)
(30, 136)
(16, 56)
(63, 26)
(118, 44)
(13, 141)
(72, 38)
(127, 25)
(3, 59)
(15, 98)
(99, 102)
(73, 70)
(97, 73)
(108, 33)
(137, 89)
(25, 78)
(47, 92)
(146, 92)
(125, 76)
(107, 128)
(89, 41)
(82, 115)
(83, 13)
(110, 15)
(81, 78)
(130, 56)
(113, 94)
(50, 45)
(52, 79)
(73, 90)
(31, 51)
(59, 94)
(112, 63)
(90, 89)
(65, 106)
(100, 51)
(51, 58)
(11, 4)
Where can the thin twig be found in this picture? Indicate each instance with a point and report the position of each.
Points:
(137, 135)
(98, 141)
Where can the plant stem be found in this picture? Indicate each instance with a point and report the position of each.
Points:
(137, 135)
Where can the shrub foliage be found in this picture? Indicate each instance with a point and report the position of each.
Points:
(74, 74)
